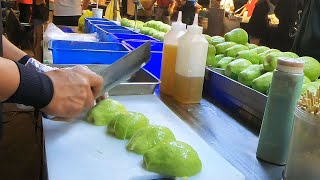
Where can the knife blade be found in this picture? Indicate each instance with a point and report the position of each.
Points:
(123, 68)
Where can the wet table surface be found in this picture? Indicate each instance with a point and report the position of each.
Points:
(233, 137)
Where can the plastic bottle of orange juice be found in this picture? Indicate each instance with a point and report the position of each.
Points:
(169, 56)
(191, 63)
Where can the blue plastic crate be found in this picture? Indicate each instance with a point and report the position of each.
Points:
(154, 65)
(76, 52)
(93, 25)
(124, 37)
(87, 20)
(103, 30)
(105, 36)
(120, 31)
(66, 29)
(107, 27)
(90, 28)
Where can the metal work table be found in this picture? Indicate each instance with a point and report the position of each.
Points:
(234, 138)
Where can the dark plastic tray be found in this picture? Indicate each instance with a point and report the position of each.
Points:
(234, 95)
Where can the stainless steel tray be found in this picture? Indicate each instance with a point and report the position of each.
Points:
(141, 83)
(234, 95)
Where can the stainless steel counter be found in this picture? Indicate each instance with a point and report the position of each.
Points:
(233, 137)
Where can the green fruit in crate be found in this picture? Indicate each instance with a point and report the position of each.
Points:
(235, 67)
(249, 74)
(232, 51)
(161, 36)
(217, 40)
(262, 83)
(213, 62)
(260, 49)
(102, 113)
(251, 46)
(265, 54)
(306, 80)
(312, 87)
(208, 38)
(311, 67)
(152, 32)
(124, 21)
(211, 56)
(145, 30)
(139, 24)
(270, 62)
(221, 48)
(250, 55)
(238, 35)
(218, 57)
(148, 138)
(176, 159)
(131, 24)
(125, 125)
(223, 63)
(165, 28)
(291, 54)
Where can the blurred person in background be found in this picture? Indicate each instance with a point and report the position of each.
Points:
(164, 10)
(68, 12)
(189, 8)
(307, 38)
(25, 9)
(287, 12)
(227, 5)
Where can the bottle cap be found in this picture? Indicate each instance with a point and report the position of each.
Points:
(194, 28)
(290, 65)
(179, 25)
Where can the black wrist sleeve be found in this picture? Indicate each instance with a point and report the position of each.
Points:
(35, 89)
(24, 59)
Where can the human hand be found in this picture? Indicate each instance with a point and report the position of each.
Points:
(74, 91)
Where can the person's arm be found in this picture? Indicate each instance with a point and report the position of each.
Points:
(62, 93)
(85, 4)
(9, 78)
(10, 51)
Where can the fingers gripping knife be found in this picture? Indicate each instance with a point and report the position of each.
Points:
(115, 73)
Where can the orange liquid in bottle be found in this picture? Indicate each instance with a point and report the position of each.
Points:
(188, 89)
(168, 69)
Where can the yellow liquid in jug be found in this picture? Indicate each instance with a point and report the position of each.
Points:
(168, 69)
(188, 89)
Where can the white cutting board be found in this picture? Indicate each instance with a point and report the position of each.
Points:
(81, 151)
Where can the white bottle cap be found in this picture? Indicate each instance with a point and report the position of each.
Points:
(179, 25)
(290, 65)
(194, 28)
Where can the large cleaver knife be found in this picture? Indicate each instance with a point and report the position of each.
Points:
(122, 69)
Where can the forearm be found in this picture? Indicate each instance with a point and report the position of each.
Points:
(24, 85)
(9, 79)
(10, 51)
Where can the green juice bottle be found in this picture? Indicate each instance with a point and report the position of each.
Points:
(278, 117)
